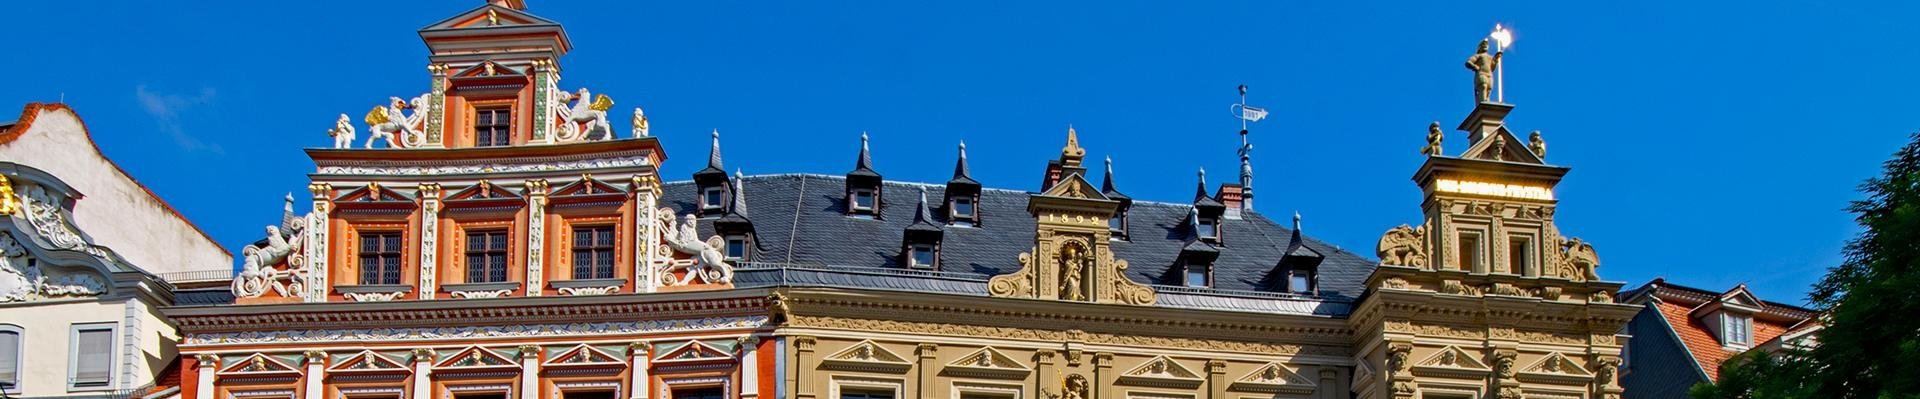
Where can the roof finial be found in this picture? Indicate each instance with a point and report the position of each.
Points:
(1296, 220)
(739, 204)
(865, 162)
(960, 167)
(713, 155)
(921, 213)
(1070, 154)
(1200, 192)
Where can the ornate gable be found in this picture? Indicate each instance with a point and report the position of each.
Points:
(1161, 371)
(1274, 378)
(1452, 361)
(1075, 186)
(1503, 146)
(1555, 367)
(867, 356)
(987, 363)
(489, 16)
(476, 357)
(367, 361)
(1071, 258)
(260, 365)
(694, 351)
(583, 355)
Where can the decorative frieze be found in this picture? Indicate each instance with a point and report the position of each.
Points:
(474, 332)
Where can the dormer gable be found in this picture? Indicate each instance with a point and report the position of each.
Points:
(711, 183)
(962, 194)
(864, 196)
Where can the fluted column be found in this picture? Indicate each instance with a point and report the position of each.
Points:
(203, 384)
(639, 382)
(803, 361)
(422, 363)
(1216, 379)
(749, 367)
(316, 372)
(927, 366)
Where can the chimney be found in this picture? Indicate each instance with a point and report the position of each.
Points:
(1231, 195)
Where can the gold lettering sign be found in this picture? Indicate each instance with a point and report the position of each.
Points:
(1494, 189)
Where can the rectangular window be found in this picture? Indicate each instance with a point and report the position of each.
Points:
(487, 256)
(1117, 223)
(1197, 275)
(1208, 230)
(9, 358)
(492, 126)
(1519, 254)
(863, 200)
(864, 394)
(713, 198)
(593, 252)
(699, 393)
(963, 208)
(736, 248)
(380, 258)
(1469, 251)
(91, 363)
(1300, 282)
(922, 255)
(589, 395)
(482, 395)
(1739, 330)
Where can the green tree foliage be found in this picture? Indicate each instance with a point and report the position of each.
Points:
(1870, 346)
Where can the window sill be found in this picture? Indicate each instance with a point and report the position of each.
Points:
(373, 292)
(589, 286)
(482, 290)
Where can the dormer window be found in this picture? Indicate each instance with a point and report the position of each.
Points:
(962, 208)
(1117, 224)
(713, 198)
(1198, 274)
(1300, 281)
(1738, 330)
(737, 248)
(862, 200)
(1208, 228)
(923, 256)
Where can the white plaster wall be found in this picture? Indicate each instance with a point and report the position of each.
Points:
(44, 349)
(115, 211)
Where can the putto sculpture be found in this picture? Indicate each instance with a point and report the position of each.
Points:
(639, 122)
(342, 132)
(1537, 144)
(1434, 136)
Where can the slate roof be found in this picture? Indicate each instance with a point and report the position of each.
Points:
(800, 219)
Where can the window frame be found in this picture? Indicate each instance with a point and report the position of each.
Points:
(746, 249)
(73, 355)
(506, 127)
(612, 247)
(1470, 256)
(1738, 326)
(913, 256)
(12, 388)
(1303, 274)
(1524, 243)
(713, 197)
(1211, 229)
(853, 200)
(1187, 273)
(972, 207)
(505, 253)
(399, 254)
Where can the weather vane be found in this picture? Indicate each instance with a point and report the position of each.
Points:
(1247, 114)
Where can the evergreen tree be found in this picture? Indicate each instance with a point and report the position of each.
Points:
(1870, 304)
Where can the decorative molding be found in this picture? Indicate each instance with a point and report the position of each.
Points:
(987, 362)
(1274, 378)
(443, 170)
(867, 356)
(475, 332)
(1452, 361)
(1163, 372)
(976, 331)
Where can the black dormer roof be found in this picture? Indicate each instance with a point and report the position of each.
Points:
(863, 166)
(962, 176)
(923, 229)
(714, 174)
(734, 218)
(1196, 248)
(1205, 204)
(1107, 188)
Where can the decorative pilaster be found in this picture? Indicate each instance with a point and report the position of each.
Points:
(1216, 379)
(1103, 374)
(437, 107)
(529, 372)
(1049, 376)
(1504, 386)
(316, 372)
(645, 203)
(750, 367)
(802, 380)
(536, 236)
(638, 360)
(927, 367)
(316, 246)
(422, 366)
(429, 239)
(1399, 370)
(203, 384)
(545, 79)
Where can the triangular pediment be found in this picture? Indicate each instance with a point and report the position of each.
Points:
(1452, 361)
(1557, 364)
(373, 193)
(486, 69)
(1740, 296)
(259, 364)
(1075, 186)
(1161, 371)
(489, 16)
(1273, 378)
(367, 361)
(694, 351)
(1362, 375)
(867, 356)
(1502, 146)
(586, 186)
(482, 191)
(583, 355)
(988, 363)
(476, 357)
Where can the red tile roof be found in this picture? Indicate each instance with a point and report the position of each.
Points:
(1705, 346)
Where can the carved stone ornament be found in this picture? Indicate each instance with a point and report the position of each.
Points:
(1577, 261)
(707, 265)
(1075, 387)
(1404, 246)
(373, 296)
(276, 265)
(1071, 269)
(586, 119)
(23, 279)
(1434, 137)
(397, 128)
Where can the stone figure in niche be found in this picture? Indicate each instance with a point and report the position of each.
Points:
(1073, 261)
(1483, 66)
(342, 132)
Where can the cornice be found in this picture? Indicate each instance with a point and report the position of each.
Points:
(468, 312)
(1067, 315)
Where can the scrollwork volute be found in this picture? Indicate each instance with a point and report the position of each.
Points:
(1404, 246)
(1071, 268)
(1578, 261)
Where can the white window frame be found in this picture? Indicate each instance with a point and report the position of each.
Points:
(913, 255)
(706, 194)
(745, 248)
(853, 200)
(1002, 391)
(864, 384)
(73, 354)
(1739, 329)
(19, 357)
(1186, 275)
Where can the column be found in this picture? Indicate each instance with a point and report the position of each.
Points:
(802, 361)
(422, 362)
(638, 383)
(1046, 378)
(536, 235)
(316, 372)
(543, 88)
(437, 107)
(529, 372)
(927, 366)
(316, 246)
(647, 229)
(203, 384)
(1329, 383)
(429, 238)
(1216, 379)
(1103, 376)
(749, 367)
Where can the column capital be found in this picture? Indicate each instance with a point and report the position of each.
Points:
(424, 355)
(208, 360)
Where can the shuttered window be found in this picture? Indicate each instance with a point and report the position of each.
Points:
(92, 363)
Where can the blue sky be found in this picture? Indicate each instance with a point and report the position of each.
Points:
(1712, 143)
